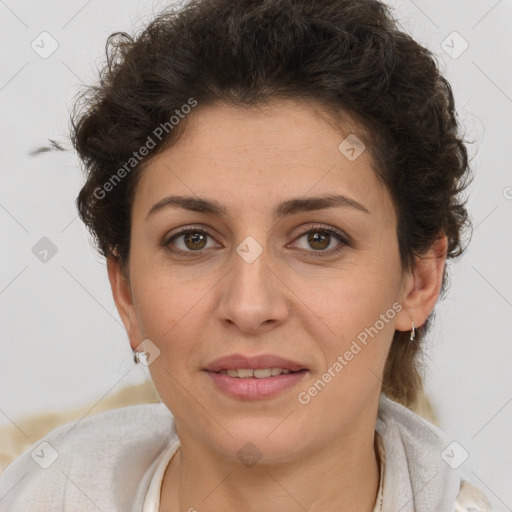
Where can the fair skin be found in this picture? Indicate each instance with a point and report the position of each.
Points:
(289, 302)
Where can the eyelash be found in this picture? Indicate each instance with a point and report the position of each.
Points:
(192, 229)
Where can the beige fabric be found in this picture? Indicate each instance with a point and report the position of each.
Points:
(15, 439)
(471, 499)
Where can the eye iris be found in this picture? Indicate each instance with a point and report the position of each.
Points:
(318, 237)
(195, 237)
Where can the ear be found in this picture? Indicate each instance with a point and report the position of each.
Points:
(121, 291)
(421, 286)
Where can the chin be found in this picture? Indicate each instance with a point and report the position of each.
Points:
(262, 443)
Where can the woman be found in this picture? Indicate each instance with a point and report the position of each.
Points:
(274, 186)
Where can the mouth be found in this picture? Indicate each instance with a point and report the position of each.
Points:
(254, 366)
(259, 373)
(254, 377)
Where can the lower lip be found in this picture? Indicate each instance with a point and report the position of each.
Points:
(254, 389)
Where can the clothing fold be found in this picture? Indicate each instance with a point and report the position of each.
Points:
(116, 460)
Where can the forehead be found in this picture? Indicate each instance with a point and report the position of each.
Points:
(261, 155)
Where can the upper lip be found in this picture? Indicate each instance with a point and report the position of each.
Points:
(237, 361)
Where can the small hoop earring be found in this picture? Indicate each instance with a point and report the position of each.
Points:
(136, 359)
(413, 332)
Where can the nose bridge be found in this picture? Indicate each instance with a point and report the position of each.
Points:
(250, 266)
(252, 297)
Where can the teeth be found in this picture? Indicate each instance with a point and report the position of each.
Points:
(261, 373)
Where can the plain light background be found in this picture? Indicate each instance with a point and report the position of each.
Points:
(63, 344)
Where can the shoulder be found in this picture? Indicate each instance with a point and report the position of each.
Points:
(416, 463)
(420, 441)
(96, 462)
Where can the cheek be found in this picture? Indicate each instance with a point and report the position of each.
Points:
(350, 299)
(163, 298)
(350, 313)
(168, 316)
(172, 314)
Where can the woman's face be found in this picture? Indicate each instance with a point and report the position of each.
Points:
(266, 274)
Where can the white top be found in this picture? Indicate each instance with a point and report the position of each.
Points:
(152, 500)
(115, 461)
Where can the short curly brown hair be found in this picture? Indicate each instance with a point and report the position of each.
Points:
(345, 54)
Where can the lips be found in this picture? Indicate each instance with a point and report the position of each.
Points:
(239, 361)
(254, 387)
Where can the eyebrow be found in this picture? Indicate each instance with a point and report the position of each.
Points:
(289, 207)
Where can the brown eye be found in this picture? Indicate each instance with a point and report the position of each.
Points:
(194, 240)
(188, 242)
(319, 240)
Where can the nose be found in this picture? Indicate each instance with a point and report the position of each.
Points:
(253, 298)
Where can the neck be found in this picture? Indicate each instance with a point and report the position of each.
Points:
(337, 478)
